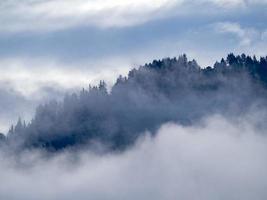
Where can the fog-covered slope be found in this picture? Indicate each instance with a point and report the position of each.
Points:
(168, 90)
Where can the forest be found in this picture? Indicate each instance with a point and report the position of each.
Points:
(168, 90)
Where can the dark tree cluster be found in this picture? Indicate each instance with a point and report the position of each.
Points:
(168, 90)
(2, 138)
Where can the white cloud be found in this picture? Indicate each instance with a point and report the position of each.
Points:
(246, 36)
(41, 15)
(59, 14)
(237, 3)
(216, 160)
(247, 39)
(28, 76)
(4, 126)
(227, 3)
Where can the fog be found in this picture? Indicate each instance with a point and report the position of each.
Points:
(97, 102)
(165, 90)
(216, 158)
(169, 130)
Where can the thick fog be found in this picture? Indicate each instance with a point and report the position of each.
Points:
(214, 159)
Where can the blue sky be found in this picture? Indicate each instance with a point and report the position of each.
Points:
(48, 47)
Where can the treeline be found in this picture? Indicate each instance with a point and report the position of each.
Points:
(172, 89)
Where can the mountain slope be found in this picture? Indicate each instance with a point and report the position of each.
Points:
(166, 90)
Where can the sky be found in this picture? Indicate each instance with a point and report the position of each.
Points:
(50, 47)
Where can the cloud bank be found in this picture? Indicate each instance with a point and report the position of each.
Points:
(215, 159)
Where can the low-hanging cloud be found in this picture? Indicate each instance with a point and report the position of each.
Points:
(216, 159)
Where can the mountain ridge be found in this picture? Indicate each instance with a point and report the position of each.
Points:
(171, 89)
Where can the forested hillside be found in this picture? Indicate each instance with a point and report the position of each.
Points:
(168, 90)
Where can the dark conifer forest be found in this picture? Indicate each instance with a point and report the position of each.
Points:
(167, 90)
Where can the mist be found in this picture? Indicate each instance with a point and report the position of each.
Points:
(133, 99)
(214, 159)
(168, 90)
(169, 130)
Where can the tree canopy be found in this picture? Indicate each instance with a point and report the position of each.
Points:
(171, 89)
